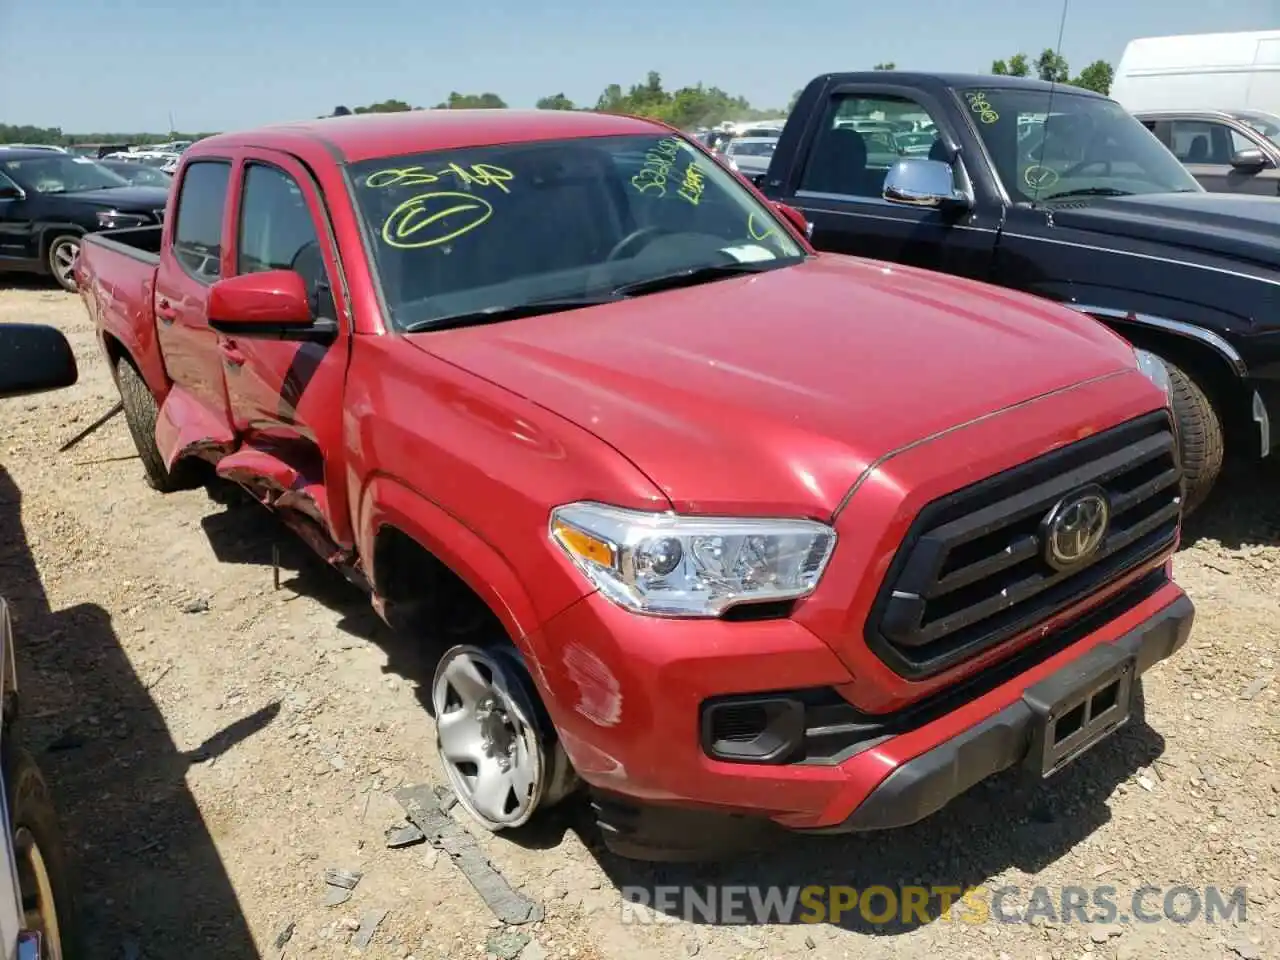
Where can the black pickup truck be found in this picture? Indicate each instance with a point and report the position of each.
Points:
(1057, 191)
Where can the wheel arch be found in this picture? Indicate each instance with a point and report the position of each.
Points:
(1206, 356)
(410, 543)
(51, 231)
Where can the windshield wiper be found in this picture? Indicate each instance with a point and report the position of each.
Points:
(689, 278)
(1090, 192)
(514, 311)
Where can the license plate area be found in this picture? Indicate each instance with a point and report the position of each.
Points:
(1078, 706)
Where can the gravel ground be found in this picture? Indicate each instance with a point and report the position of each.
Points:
(216, 745)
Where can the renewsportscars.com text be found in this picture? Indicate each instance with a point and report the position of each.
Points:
(879, 905)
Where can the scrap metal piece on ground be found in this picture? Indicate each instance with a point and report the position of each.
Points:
(368, 924)
(335, 896)
(424, 808)
(347, 879)
(338, 885)
(285, 935)
(404, 835)
(118, 408)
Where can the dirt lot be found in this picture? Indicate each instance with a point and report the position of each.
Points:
(216, 745)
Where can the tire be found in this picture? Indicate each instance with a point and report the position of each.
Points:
(140, 412)
(44, 876)
(1199, 438)
(60, 259)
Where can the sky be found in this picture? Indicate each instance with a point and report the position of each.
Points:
(212, 65)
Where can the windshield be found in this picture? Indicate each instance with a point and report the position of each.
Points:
(752, 148)
(142, 176)
(1268, 126)
(1086, 146)
(487, 228)
(60, 173)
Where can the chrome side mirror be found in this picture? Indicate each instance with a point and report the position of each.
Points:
(922, 183)
(1250, 159)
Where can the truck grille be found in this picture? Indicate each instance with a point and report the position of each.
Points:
(974, 569)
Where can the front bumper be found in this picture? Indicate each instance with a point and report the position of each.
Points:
(925, 784)
(628, 694)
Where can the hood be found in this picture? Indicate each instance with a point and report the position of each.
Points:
(118, 198)
(1230, 225)
(772, 393)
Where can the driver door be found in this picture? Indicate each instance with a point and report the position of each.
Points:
(839, 187)
(285, 398)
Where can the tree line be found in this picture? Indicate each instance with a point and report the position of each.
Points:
(692, 106)
(685, 107)
(26, 133)
(1050, 65)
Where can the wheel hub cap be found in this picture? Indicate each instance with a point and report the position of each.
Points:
(489, 747)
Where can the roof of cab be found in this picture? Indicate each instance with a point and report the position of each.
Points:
(991, 81)
(371, 135)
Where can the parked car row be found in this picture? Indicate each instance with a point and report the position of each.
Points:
(49, 201)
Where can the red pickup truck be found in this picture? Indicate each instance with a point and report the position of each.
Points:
(733, 532)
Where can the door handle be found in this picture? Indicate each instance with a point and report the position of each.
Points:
(231, 354)
(166, 311)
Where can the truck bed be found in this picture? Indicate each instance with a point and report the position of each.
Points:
(116, 274)
(137, 243)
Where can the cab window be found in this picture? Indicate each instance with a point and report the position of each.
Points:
(862, 137)
(277, 232)
(1206, 141)
(197, 235)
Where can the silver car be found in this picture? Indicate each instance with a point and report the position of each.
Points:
(750, 156)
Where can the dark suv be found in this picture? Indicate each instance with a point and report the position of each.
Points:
(49, 200)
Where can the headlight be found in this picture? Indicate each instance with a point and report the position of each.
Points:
(114, 218)
(1155, 371)
(733, 164)
(670, 565)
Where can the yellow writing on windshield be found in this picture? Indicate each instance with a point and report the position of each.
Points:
(656, 171)
(479, 174)
(757, 231)
(1037, 177)
(692, 185)
(979, 105)
(430, 219)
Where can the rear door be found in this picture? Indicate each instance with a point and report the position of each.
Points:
(286, 398)
(192, 258)
(839, 180)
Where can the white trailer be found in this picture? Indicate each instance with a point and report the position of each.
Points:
(1205, 71)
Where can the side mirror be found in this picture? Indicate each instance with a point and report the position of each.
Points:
(272, 305)
(9, 192)
(1251, 159)
(34, 357)
(922, 183)
(795, 218)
